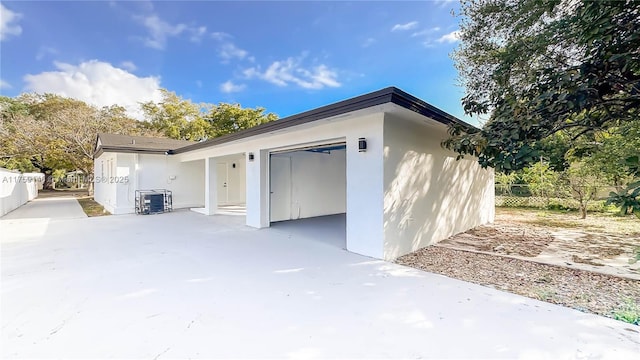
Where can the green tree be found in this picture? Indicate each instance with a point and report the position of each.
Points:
(628, 199)
(58, 176)
(177, 118)
(52, 132)
(540, 67)
(583, 183)
(542, 180)
(229, 118)
(605, 152)
(506, 181)
(173, 115)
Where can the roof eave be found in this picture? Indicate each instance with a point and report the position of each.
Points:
(118, 149)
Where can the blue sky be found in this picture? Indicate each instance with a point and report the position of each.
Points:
(288, 57)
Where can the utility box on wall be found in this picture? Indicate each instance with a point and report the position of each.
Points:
(153, 201)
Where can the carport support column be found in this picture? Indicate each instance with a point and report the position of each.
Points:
(210, 187)
(258, 189)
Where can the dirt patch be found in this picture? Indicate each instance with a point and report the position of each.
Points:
(582, 290)
(602, 242)
(504, 239)
(579, 260)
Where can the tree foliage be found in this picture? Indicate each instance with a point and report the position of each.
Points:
(542, 180)
(49, 132)
(628, 199)
(540, 67)
(177, 118)
(583, 184)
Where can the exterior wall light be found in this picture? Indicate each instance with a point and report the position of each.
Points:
(250, 156)
(362, 145)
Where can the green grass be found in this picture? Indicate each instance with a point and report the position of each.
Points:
(629, 312)
(92, 208)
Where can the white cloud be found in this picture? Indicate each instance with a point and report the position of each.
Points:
(451, 37)
(368, 42)
(160, 30)
(44, 51)
(229, 51)
(220, 35)
(8, 20)
(128, 65)
(425, 32)
(291, 71)
(197, 33)
(230, 87)
(5, 85)
(98, 83)
(444, 3)
(404, 27)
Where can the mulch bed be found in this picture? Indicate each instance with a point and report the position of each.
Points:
(578, 289)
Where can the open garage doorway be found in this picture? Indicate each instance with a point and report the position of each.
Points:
(308, 192)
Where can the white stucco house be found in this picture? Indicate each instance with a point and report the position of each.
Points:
(376, 158)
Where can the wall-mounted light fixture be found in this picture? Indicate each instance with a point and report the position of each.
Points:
(362, 144)
(250, 156)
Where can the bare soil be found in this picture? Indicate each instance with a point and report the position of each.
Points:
(602, 242)
(590, 265)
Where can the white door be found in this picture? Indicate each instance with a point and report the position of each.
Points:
(222, 183)
(280, 182)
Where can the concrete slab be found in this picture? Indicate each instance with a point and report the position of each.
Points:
(330, 229)
(48, 208)
(183, 285)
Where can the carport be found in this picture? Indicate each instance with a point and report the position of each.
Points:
(308, 186)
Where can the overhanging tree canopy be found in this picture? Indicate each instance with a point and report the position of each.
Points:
(539, 67)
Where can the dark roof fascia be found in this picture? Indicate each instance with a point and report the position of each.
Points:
(361, 102)
(412, 103)
(386, 95)
(104, 149)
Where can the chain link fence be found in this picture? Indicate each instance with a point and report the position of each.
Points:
(524, 195)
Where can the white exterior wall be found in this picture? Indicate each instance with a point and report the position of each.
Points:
(131, 171)
(318, 183)
(105, 190)
(17, 189)
(364, 171)
(428, 195)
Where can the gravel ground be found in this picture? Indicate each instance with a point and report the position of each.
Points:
(582, 290)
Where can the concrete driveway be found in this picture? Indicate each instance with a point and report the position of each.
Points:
(184, 285)
(59, 207)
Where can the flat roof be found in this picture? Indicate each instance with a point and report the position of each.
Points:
(125, 143)
(386, 95)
